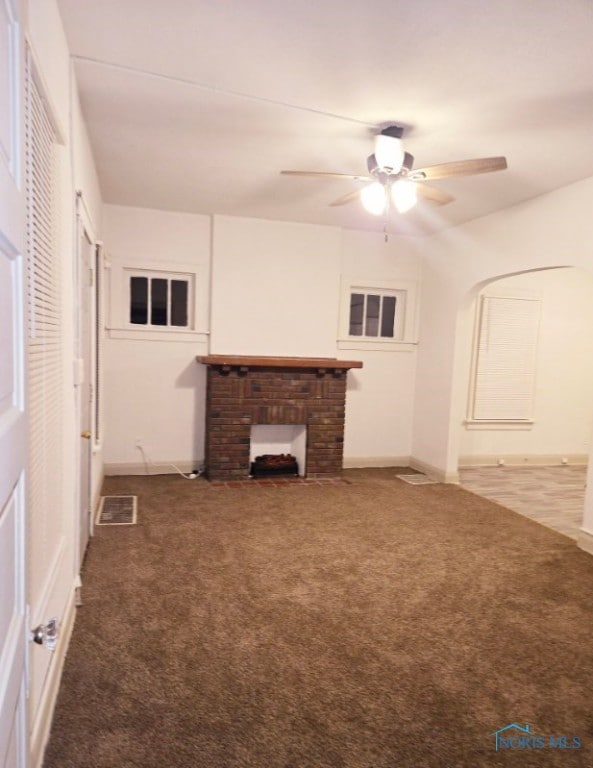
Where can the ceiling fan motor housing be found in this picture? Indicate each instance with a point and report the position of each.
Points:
(389, 152)
(394, 131)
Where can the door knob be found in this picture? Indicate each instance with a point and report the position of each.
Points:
(86, 434)
(46, 634)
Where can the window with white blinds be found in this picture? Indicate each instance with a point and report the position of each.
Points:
(505, 359)
(44, 343)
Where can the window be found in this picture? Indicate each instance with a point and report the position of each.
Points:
(377, 316)
(159, 300)
(505, 358)
(372, 315)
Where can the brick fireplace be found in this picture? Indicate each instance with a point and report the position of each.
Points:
(247, 391)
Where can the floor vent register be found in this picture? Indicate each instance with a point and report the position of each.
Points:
(418, 479)
(117, 510)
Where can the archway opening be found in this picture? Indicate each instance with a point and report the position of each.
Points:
(525, 405)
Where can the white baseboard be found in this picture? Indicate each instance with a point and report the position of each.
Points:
(41, 728)
(368, 462)
(434, 472)
(160, 468)
(585, 541)
(402, 461)
(524, 460)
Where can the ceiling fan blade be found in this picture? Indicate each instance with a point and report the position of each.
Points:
(433, 194)
(347, 198)
(316, 174)
(459, 168)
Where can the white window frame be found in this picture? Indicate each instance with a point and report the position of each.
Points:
(405, 322)
(120, 326)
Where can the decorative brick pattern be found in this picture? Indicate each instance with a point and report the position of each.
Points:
(238, 397)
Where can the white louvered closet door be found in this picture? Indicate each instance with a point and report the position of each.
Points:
(13, 420)
(48, 554)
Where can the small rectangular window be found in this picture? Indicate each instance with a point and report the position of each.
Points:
(179, 303)
(356, 313)
(139, 300)
(159, 302)
(372, 315)
(388, 317)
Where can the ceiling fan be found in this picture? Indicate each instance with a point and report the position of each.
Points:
(392, 177)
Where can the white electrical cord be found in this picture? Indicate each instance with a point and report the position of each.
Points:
(140, 447)
(148, 464)
(190, 476)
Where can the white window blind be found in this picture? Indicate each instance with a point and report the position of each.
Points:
(506, 359)
(44, 347)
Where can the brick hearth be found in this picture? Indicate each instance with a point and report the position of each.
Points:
(243, 391)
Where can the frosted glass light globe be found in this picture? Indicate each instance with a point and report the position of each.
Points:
(374, 198)
(404, 195)
(389, 153)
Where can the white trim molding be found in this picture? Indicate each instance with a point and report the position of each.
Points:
(484, 424)
(368, 462)
(435, 473)
(151, 468)
(523, 460)
(585, 541)
(41, 728)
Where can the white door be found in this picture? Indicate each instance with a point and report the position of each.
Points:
(52, 479)
(86, 253)
(13, 429)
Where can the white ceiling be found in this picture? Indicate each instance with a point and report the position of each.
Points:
(196, 105)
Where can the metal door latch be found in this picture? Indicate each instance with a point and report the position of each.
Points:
(46, 634)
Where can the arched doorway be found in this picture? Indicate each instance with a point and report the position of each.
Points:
(535, 464)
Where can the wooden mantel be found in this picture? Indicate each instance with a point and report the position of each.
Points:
(246, 362)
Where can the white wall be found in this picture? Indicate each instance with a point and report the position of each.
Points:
(380, 397)
(563, 403)
(154, 390)
(548, 231)
(86, 183)
(85, 177)
(275, 290)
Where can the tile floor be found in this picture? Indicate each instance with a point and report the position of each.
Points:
(553, 496)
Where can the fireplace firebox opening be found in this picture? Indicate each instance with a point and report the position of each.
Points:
(278, 449)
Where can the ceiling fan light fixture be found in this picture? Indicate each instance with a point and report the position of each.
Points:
(374, 198)
(389, 153)
(404, 196)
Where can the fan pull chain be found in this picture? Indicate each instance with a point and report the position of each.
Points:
(386, 216)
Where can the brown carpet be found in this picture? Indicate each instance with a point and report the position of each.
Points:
(365, 625)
